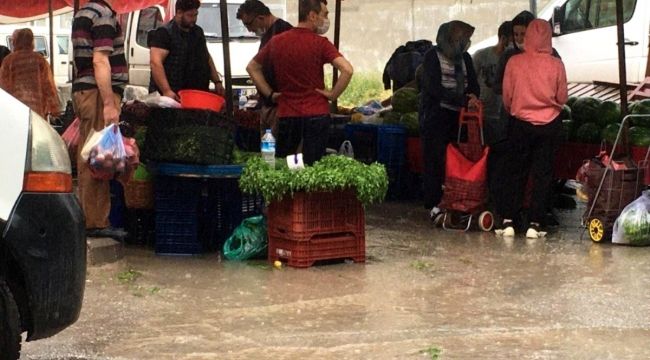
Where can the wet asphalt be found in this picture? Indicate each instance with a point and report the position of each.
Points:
(423, 293)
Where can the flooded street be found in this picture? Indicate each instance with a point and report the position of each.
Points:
(422, 292)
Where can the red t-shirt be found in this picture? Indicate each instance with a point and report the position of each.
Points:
(298, 56)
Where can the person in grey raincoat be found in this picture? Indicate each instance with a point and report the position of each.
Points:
(447, 82)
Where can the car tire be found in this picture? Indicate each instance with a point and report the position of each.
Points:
(9, 325)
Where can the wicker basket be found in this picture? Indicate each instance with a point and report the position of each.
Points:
(138, 194)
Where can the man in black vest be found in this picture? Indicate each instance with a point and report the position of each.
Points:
(179, 55)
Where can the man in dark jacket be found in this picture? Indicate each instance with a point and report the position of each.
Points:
(447, 82)
(179, 56)
(257, 18)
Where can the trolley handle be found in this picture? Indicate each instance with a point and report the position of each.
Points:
(467, 112)
(620, 132)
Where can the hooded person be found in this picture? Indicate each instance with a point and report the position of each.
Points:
(447, 82)
(534, 92)
(27, 76)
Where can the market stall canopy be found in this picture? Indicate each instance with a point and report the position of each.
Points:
(13, 11)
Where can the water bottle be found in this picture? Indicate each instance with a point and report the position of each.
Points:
(268, 148)
(242, 100)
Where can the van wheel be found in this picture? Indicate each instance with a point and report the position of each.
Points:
(9, 325)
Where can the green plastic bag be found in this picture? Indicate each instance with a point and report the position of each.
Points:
(247, 241)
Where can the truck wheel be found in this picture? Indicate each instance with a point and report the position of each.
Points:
(9, 325)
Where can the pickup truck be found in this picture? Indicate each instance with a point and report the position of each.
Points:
(43, 243)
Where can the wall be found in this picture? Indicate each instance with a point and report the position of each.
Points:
(372, 29)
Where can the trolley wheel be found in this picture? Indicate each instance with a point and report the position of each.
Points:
(486, 221)
(596, 228)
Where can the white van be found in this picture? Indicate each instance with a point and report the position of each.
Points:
(585, 36)
(243, 44)
(62, 48)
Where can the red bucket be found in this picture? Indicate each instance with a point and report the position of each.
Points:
(196, 99)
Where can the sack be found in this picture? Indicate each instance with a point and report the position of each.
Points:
(104, 153)
(247, 241)
(71, 136)
(632, 227)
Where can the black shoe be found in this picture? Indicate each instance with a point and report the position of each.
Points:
(107, 232)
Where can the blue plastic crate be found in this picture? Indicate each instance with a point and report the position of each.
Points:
(364, 141)
(391, 145)
(225, 208)
(177, 234)
(177, 207)
(196, 171)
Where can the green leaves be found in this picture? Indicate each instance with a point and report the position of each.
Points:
(329, 174)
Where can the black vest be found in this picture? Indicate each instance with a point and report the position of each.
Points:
(187, 64)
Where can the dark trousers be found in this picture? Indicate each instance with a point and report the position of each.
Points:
(498, 169)
(532, 152)
(308, 135)
(436, 133)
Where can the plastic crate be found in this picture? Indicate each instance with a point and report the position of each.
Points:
(364, 141)
(140, 226)
(177, 202)
(391, 145)
(197, 171)
(224, 208)
(177, 234)
(309, 214)
(304, 254)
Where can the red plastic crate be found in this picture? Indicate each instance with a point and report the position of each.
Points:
(308, 214)
(304, 254)
(414, 154)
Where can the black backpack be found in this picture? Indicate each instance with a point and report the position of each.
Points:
(401, 66)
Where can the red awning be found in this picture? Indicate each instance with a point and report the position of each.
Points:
(32, 8)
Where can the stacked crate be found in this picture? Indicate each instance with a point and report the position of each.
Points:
(313, 226)
(385, 144)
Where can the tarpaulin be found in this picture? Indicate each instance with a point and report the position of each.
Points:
(32, 8)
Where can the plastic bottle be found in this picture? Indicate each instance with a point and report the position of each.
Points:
(268, 148)
(242, 100)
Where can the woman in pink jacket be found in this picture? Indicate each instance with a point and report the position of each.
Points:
(534, 92)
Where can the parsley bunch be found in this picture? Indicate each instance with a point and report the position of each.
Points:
(331, 173)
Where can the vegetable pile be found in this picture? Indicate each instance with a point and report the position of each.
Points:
(331, 173)
(189, 136)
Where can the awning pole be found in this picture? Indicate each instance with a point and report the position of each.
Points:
(225, 41)
(622, 71)
(51, 18)
(337, 39)
(533, 7)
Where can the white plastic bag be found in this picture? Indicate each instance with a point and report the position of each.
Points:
(157, 100)
(105, 153)
(632, 227)
(346, 149)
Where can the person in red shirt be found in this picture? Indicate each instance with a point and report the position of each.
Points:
(534, 92)
(297, 57)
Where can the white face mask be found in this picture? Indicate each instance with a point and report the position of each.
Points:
(260, 32)
(520, 46)
(322, 29)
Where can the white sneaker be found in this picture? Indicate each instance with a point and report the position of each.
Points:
(509, 231)
(436, 215)
(534, 232)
